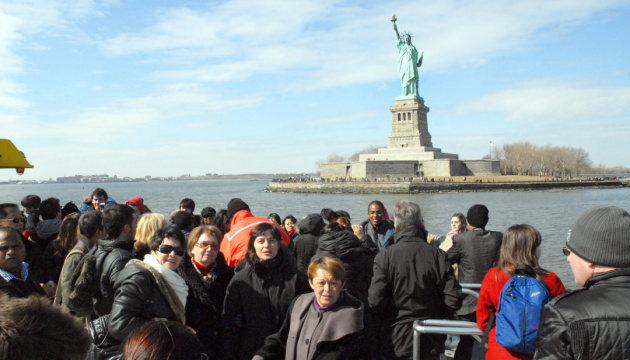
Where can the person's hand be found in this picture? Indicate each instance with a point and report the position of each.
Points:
(358, 231)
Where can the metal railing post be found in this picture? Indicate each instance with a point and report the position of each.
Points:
(446, 327)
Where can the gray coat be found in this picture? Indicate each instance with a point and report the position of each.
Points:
(476, 252)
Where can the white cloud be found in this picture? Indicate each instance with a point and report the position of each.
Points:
(552, 102)
(332, 44)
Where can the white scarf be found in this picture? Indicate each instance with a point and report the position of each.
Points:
(171, 277)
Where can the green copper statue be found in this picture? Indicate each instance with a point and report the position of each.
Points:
(408, 64)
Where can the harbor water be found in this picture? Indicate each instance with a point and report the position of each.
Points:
(550, 211)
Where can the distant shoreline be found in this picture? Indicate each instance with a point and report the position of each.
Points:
(432, 187)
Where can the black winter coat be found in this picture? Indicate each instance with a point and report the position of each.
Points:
(256, 303)
(590, 323)
(52, 261)
(138, 300)
(476, 252)
(21, 289)
(412, 281)
(34, 260)
(357, 260)
(307, 242)
(204, 303)
(114, 255)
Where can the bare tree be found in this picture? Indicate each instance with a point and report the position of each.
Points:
(524, 158)
(372, 149)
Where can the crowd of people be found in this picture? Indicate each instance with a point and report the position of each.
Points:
(116, 281)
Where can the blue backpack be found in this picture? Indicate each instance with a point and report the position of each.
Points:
(518, 313)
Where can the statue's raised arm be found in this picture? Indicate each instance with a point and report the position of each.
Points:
(395, 28)
(408, 62)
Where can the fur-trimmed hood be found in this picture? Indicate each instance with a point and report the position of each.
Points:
(169, 294)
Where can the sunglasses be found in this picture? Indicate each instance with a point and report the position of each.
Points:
(566, 251)
(167, 249)
(205, 246)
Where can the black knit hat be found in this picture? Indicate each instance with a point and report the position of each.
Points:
(477, 216)
(601, 236)
(235, 205)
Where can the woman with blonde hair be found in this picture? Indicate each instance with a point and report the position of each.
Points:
(148, 225)
(520, 246)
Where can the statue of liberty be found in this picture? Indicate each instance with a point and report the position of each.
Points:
(408, 64)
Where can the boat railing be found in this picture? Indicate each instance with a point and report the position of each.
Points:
(446, 327)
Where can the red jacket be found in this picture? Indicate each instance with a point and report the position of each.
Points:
(234, 243)
(489, 301)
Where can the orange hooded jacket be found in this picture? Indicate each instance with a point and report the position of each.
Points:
(235, 242)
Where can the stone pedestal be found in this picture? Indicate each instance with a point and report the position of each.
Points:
(409, 124)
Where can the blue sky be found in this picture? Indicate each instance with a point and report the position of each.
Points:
(165, 88)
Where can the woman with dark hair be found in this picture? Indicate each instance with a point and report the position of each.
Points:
(288, 224)
(162, 340)
(259, 296)
(275, 218)
(327, 323)
(57, 250)
(458, 226)
(150, 289)
(33, 328)
(222, 221)
(520, 246)
(207, 276)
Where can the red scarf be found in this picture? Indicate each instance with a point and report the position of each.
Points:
(204, 270)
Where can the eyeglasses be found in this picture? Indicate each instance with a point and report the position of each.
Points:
(566, 251)
(167, 249)
(205, 246)
(332, 284)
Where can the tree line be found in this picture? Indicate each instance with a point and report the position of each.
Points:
(524, 158)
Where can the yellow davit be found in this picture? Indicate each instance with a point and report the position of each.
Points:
(11, 157)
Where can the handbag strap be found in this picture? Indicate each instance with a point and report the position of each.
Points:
(486, 332)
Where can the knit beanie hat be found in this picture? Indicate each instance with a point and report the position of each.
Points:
(477, 216)
(235, 205)
(601, 236)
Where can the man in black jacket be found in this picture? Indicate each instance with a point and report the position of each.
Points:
(476, 251)
(593, 322)
(412, 281)
(113, 253)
